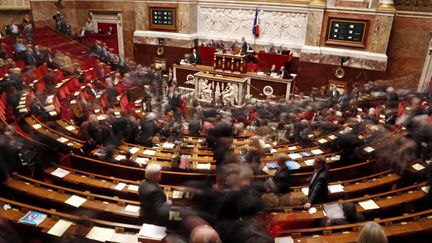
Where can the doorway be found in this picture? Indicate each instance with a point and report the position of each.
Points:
(426, 76)
(106, 21)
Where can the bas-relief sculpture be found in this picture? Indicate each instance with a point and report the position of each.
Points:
(274, 25)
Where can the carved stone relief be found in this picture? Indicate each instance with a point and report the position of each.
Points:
(235, 23)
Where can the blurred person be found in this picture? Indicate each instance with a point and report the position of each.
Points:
(372, 232)
(151, 196)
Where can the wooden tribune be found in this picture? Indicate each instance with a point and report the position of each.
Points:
(230, 62)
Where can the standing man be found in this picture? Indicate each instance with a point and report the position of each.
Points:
(318, 189)
(153, 201)
(195, 57)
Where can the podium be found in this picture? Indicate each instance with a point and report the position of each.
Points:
(230, 62)
(231, 89)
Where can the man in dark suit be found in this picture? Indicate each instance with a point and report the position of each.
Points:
(318, 189)
(195, 57)
(29, 58)
(153, 200)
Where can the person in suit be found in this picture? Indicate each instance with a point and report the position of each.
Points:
(334, 94)
(148, 130)
(151, 196)
(282, 178)
(245, 46)
(195, 58)
(318, 189)
(29, 58)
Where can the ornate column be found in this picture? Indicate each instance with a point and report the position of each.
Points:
(387, 4)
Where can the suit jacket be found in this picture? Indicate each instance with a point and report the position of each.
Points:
(195, 59)
(282, 180)
(152, 198)
(30, 60)
(318, 189)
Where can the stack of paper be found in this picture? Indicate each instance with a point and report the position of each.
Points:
(335, 188)
(132, 208)
(418, 166)
(316, 151)
(292, 148)
(100, 234)
(60, 227)
(177, 194)
(62, 139)
(59, 172)
(141, 160)
(52, 113)
(154, 232)
(75, 201)
(203, 166)
(368, 149)
(309, 162)
(333, 210)
(37, 126)
(149, 152)
(120, 157)
(134, 150)
(168, 145)
(369, 204)
(332, 137)
(286, 239)
(295, 156)
(133, 188)
(70, 128)
(322, 140)
(120, 186)
(305, 190)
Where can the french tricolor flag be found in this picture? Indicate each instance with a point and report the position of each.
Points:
(255, 27)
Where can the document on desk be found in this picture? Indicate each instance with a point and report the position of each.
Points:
(292, 148)
(120, 186)
(60, 172)
(62, 139)
(100, 234)
(333, 210)
(332, 137)
(286, 239)
(316, 151)
(75, 201)
(305, 190)
(203, 166)
(134, 150)
(132, 208)
(336, 188)
(168, 145)
(295, 156)
(133, 188)
(369, 149)
(418, 166)
(120, 157)
(322, 140)
(369, 204)
(141, 160)
(52, 113)
(309, 162)
(269, 171)
(60, 227)
(70, 128)
(177, 194)
(151, 231)
(37, 126)
(149, 152)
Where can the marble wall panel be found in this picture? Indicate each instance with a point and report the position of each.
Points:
(408, 46)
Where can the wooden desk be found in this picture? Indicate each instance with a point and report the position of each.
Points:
(230, 62)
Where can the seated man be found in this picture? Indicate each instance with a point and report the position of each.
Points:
(153, 200)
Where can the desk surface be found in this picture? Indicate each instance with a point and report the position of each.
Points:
(210, 69)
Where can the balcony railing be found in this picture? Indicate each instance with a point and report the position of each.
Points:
(414, 5)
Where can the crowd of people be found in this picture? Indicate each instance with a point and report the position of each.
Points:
(231, 209)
